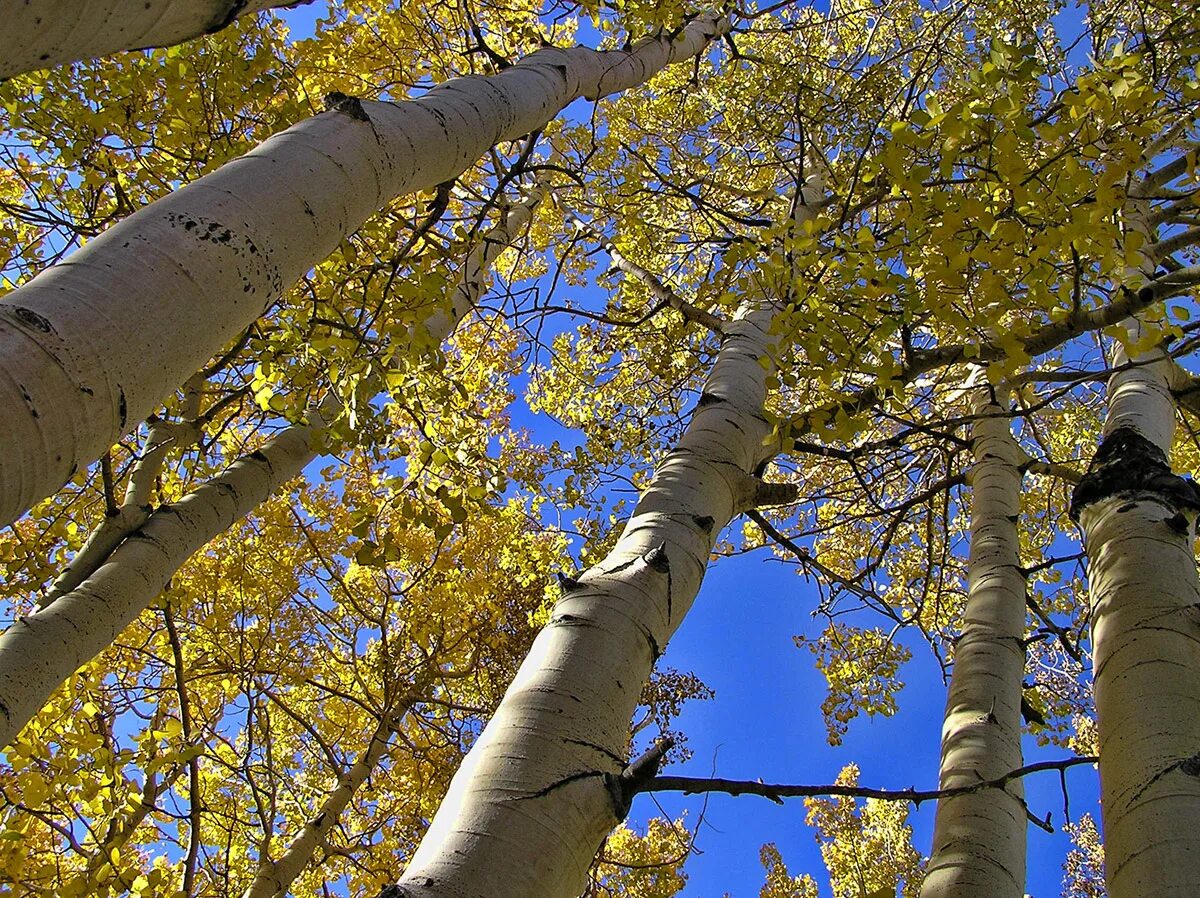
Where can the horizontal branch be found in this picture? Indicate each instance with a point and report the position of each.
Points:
(690, 785)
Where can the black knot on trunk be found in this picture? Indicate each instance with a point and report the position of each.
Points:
(1127, 463)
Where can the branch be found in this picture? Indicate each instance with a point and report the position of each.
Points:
(1169, 245)
(1041, 341)
(690, 785)
(1053, 469)
(122, 521)
(657, 288)
(1166, 174)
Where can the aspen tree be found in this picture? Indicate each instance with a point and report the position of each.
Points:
(1138, 521)
(91, 346)
(545, 783)
(42, 649)
(979, 838)
(44, 33)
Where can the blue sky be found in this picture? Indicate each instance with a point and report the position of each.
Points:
(765, 723)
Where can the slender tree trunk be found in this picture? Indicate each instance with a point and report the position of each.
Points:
(43, 33)
(92, 345)
(1138, 522)
(275, 877)
(979, 838)
(42, 649)
(543, 786)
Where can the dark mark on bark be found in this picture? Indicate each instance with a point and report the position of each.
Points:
(1128, 464)
(226, 19)
(567, 620)
(558, 784)
(598, 748)
(655, 651)
(336, 101)
(33, 319)
(565, 583)
(392, 891)
(122, 406)
(657, 560)
(28, 400)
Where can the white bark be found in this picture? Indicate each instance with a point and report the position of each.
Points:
(135, 508)
(42, 649)
(92, 345)
(43, 33)
(979, 838)
(1146, 657)
(1139, 528)
(540, 790)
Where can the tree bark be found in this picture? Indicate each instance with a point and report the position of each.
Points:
(543, 786)
(92, 345)
(979, 838)
(42, 649)
(1138, 521)
(44, 33)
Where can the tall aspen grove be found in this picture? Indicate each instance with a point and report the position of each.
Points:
(382, 384)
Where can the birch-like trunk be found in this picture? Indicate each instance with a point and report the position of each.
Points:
(92, 345)
(42, 649)
(1138, 523)
(979, 838)
(541, 789)
(43, 33)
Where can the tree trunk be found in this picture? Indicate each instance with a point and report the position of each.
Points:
(543, 786)
(42, 649)
(979, 838)
(1138, 522)
(274, 878)
(91, 346)
(44, 33)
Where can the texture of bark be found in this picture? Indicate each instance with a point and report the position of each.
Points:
(40, 650)
(543, 786)
(44, 33)
(979, 838)
(1138, 522)
(91, 346)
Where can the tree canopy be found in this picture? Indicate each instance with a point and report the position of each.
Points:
(380, 392)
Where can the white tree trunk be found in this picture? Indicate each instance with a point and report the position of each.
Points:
(91, 346)
(538, 793)
(42, 649)
(43, 33)
(1138, 523)
(540, 790)
(979, 838)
